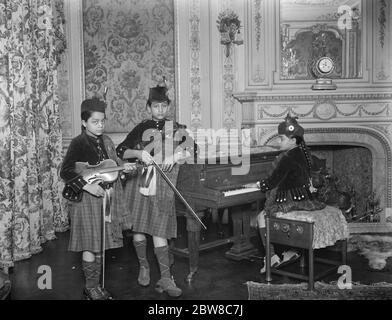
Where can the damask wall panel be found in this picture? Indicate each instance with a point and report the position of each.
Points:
(128, 47)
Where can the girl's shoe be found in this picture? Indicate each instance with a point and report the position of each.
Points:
(144, 276)
(106, 293)
(94, 294)
(290, 255)
(169, 286)
(275, 262)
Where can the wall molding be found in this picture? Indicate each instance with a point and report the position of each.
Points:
(259, 96)
(74, 17)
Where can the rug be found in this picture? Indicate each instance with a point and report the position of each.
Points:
(5, 286)
(376, 248)
(323, 291)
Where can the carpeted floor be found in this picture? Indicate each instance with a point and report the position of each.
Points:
(5, 286)
(376, 248)
(323, 291)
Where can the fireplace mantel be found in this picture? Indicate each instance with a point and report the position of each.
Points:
(315, 107)
(256, 96)
(331, 118)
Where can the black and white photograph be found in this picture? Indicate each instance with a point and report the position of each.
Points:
(192, 155)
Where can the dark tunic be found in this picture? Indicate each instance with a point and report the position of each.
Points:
(153, 215)
(288, 185)
(86, 214)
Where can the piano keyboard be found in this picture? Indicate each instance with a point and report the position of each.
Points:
(240, 190)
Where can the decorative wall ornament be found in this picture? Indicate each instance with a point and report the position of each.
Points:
(382, 75)
(385, 128)
(254, 97)
(195, 65)
(257, 19)
(228, 89)
(382, 20)
(229, 26)
(325, 109)
(258, 74)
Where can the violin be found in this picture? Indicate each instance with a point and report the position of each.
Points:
(106, 171)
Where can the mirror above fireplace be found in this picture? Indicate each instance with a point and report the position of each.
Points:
(311, 29)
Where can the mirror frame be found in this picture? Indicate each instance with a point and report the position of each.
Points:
(365, 50)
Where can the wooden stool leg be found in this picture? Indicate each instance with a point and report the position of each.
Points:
(311, 269)
(302, 259)
(344, 252)
(268, 253)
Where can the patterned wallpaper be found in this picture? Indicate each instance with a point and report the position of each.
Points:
(128, 47)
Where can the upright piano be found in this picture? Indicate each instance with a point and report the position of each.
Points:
(212, 185)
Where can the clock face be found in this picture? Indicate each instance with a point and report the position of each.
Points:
(325, 65)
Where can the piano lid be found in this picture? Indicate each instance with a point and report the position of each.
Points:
(225, 158)
(218, 173)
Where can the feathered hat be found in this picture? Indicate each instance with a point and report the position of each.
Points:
(290, 127)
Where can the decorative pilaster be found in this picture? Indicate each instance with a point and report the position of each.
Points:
(195, 76)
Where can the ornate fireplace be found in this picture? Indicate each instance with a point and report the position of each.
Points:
(334, 119)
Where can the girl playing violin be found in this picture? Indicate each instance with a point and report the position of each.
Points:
(153, 214)
(92, 147)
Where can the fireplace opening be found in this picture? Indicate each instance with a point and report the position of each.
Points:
(343, 175)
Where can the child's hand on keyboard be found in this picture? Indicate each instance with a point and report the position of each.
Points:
(251, 185)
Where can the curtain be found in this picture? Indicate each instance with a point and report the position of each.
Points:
(31, 206)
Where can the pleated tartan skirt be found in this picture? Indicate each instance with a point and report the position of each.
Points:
(153, 215)
(86, 223)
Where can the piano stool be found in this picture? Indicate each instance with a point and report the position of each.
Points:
(298, 234)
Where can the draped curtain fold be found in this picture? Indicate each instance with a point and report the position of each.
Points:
(31, 206)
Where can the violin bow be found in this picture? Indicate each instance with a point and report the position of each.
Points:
(103, 220)
(166, 178)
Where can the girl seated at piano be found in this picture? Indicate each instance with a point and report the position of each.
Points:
(149, 198)
(289, 187)
(86, 200)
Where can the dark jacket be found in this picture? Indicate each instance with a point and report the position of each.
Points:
(84, 148)
(289, 184)
(134, 139)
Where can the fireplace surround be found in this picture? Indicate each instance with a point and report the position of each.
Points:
(332, 119)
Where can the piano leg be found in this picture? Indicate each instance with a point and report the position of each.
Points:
(193, 228)
(242, 247)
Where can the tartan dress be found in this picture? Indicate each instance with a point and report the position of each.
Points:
(86, 215)
(153, 215)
